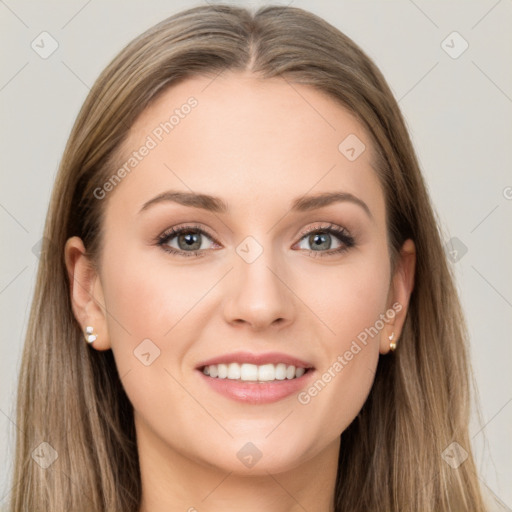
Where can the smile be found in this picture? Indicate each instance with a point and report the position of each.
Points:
(253, 373)
(253, 378)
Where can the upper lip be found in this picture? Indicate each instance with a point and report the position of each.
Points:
(257, 359)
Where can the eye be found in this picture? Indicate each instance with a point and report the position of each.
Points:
(326, 240)
(185, 241)
(194, 241)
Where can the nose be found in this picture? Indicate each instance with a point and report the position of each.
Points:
(258, 294)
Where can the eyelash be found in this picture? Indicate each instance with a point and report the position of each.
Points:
(342, 234)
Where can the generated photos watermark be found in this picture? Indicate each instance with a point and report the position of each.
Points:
(156, 136)
(305, 397)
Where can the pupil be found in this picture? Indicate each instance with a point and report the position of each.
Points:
(320, 241)
(191, 241)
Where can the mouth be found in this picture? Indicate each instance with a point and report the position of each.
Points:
(256, 378)
(247, 372)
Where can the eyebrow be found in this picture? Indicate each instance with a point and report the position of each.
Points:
(217, 205)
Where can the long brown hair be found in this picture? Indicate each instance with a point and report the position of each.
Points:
(72, 397)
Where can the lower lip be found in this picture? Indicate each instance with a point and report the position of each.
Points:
(257, 392)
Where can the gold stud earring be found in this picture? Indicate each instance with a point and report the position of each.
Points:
(89, 335)
(392, 343)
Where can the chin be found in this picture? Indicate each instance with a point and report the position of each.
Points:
(260, 456)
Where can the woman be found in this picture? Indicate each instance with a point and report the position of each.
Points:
(243, 300)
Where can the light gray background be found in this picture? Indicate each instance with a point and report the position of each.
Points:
(458, 112)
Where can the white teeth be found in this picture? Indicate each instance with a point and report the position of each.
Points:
(252, 372)
(266, 372)
(281, 371)
(234, 371)
(290, 372)
(223, 371)
(248, 371)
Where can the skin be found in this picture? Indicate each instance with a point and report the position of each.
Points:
(257, 144)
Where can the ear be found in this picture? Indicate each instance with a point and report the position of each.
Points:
(401, 286)
(86, 292)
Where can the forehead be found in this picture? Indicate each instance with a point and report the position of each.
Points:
(249, 140)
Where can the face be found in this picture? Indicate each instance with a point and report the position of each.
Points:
(281, 279)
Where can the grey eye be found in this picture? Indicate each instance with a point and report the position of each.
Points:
(319, 241)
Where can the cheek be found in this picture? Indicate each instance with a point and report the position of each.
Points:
(360, 301)
(154, 317)
(351, 301)
(147, 297)
(348, 298)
